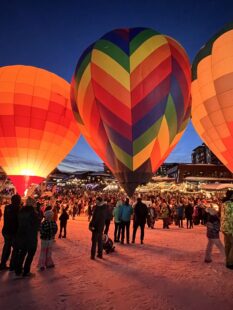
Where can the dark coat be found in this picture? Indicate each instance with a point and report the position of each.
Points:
(28, 225)
(10, 225)
(64, 217)
(99, 217)
(140, 213)
(188, 211)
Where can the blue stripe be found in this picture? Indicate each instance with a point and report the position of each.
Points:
(150, 119)
(119, 37)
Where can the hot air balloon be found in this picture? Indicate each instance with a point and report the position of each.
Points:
(37, 126)
(130, 95)
(212, 93)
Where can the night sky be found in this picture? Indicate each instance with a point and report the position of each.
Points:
(52, 35)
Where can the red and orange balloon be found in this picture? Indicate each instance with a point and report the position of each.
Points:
(37, 126)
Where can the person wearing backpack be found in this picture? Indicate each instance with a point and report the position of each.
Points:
(227, 227)
(9, 231)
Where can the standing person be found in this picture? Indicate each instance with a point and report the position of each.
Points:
(188, 209)
(227, 227)
(140, 215)
(125, 216)
(117, 220)
(97, 227)
(26, 238)
(63, 222)
(74, 211)
(48, 231)
(165, 213)
(213, 228)
(109, 217)
(9, 231)
(180, 213)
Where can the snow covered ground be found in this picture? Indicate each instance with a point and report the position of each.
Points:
(166, 273)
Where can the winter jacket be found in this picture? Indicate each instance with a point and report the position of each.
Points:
(188, 211)
(213, 226)
(64, 217)
(28, 225)
(48, 230)
(126, 212)
(165, 211)
(227, 217)
(180, 211)
(98, 218)
(140, 213)
(10, 225)
(116, 213)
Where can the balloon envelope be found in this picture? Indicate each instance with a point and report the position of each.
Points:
(37, 127)
(212, 93)
(131, 97)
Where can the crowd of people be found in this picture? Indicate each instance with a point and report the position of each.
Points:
(23, 221)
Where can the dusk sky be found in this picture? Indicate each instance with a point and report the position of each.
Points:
(53, 34)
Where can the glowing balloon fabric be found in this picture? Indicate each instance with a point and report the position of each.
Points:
(131, 98)
(212, 95)
(37, 127)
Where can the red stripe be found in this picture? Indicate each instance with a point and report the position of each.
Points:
(151, 81)
(112, 104)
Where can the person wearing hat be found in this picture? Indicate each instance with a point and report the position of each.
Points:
(227, 227)
(26, 238)
(48, 231)
(97, 227)
(213, 228)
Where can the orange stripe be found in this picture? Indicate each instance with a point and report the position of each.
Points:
(112, 104)
(111, 85)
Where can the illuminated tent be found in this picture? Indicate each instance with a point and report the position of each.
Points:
(37, 126)
(131, 97)
(212, 93)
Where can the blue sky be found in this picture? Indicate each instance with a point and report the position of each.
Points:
(52, 35)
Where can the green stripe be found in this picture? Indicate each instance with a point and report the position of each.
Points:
(145, 139)
(122, 156)
(171, 117)
(114, 52)
(82, 67)
(207, 48)
(140, 38)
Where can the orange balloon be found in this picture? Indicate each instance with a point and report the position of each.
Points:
(212, 93)
(37, 126)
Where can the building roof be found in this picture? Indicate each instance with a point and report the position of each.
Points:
(208, 179)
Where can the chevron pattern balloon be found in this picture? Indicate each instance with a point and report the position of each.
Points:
(131, 98)
(212, 93)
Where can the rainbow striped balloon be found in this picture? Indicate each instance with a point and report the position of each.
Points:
(131, 97)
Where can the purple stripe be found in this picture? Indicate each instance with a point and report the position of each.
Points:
(115, 122)
(154, 97)
(150, 118)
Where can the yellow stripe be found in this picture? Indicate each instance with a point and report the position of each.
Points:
(163, 137)
(142, 156)
(84, 82)
(148, 47)
(111, 67)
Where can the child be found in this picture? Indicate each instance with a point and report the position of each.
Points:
(213, 228)
(48, 231)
